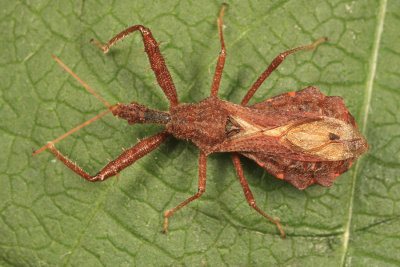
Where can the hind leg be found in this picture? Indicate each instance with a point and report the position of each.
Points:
(273, 65)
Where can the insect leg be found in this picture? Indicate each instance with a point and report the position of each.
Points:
(201, 189)
(273, 65)
(221, 58)
(127, 158)
(156, 59)
(249, 195)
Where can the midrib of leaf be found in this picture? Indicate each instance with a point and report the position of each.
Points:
(366, 104)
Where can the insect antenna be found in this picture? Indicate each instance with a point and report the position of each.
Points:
(110, 109)
(82, 82)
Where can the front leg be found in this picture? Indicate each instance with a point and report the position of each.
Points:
(127, 158)
(156, 59)
(201, 189)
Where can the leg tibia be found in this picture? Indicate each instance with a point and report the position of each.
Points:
(222, 55)
(73, 166)
(273, 65)
(201, 189)
(156, 59)
(124, 160)
(249, 195)
(129, 156)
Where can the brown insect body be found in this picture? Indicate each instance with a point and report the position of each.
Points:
(303, 128)
(303, 137)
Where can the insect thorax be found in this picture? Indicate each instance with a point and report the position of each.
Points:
(203, 123)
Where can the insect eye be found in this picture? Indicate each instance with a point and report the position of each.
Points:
(231, 128)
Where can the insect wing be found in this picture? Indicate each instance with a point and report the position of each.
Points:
(302, 126)
(308, 101)
(302, 173)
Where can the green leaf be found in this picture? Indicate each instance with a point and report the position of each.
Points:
(50, 216)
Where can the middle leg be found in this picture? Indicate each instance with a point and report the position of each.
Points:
(201, 189)
(222, 55)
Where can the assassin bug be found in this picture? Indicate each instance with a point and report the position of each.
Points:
(302, 137)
